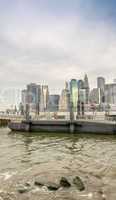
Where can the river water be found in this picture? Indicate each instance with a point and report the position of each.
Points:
(24, 156)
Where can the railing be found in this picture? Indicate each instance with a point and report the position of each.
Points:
(97, 116)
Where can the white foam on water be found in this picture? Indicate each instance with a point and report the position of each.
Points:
(7, 175)
(35, 190)
(89, 195)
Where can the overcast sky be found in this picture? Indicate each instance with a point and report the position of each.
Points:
(50, 41)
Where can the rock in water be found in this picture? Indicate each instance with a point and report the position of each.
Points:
(23, 189)
(39, 183)
(64, 182)
(78, 182)
(52, 186)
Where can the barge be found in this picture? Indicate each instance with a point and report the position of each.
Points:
(65, 126)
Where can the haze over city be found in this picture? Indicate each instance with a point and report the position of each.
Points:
(49, 41)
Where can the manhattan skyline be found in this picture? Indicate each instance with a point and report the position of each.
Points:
(56, 41)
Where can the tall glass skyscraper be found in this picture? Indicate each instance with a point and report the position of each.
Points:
(44, 98)
(86, 87)
(74, 94)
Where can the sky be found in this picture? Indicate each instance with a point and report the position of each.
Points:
(52, 41)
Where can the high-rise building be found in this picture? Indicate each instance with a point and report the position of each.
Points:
(82, 95)
(101, 89)
(94, 96)
(86, 87)
(110, 93)
(33, 96)
(64, 102)
(101, 83)
(80, 84)
(74, 94)
(81, 91)
(44, 98)
(53, 103)
(24, 98)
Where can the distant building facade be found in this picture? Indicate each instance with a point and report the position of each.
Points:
(31, 97)
(64, 102)
(74, 94)
(94, 96)
(86, 87)
(44, 98)
(82, 95)
(110, 93)
(101, 83)
(24, 97)
(53, 103)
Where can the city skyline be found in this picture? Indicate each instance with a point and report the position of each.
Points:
(56, 41)
(74, 93)
(9, 97)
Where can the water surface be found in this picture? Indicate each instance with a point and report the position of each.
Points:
(88, 154)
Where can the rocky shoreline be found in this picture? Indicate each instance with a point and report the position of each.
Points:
(55, 183)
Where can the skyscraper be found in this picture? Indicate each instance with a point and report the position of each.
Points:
(74, 94)
(86, 87)
(101, 88)
(110, 93)
(53, 103)
(64, 103)
(101, 83)
(24, 97)
(80, 84)
(44, 97)
(33, 96)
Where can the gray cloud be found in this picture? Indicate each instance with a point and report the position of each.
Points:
(56, 50)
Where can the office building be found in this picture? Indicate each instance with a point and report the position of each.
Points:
(44, 98)
(64, 102)
(101, 83)
(94, 96)
(74, 94)
(53, 103)
(110, 93)
(31, 96)
(24, 97)
(82, 95)
(86, 87)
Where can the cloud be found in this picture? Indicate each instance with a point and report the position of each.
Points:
(45, 49)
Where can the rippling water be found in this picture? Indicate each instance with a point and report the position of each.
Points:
(90, 154)
(21, 150)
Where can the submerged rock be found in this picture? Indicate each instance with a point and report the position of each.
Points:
(39, 183)
(79, 183)
(102, 194)
(27, 184)
(64, 182)
(22, 189)
(52, 186)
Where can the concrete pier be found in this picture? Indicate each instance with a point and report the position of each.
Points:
(65, 126)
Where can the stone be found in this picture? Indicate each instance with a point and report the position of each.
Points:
(102, 194)
(52, 186)
(27, 184)
(64, 182)
(44, 188)
(38, 183)
(23, 189)
(79, 183)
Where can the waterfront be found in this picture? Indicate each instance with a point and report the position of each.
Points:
(25, 156)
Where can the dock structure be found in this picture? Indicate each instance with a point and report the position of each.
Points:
(65, 126)
(99, 124)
